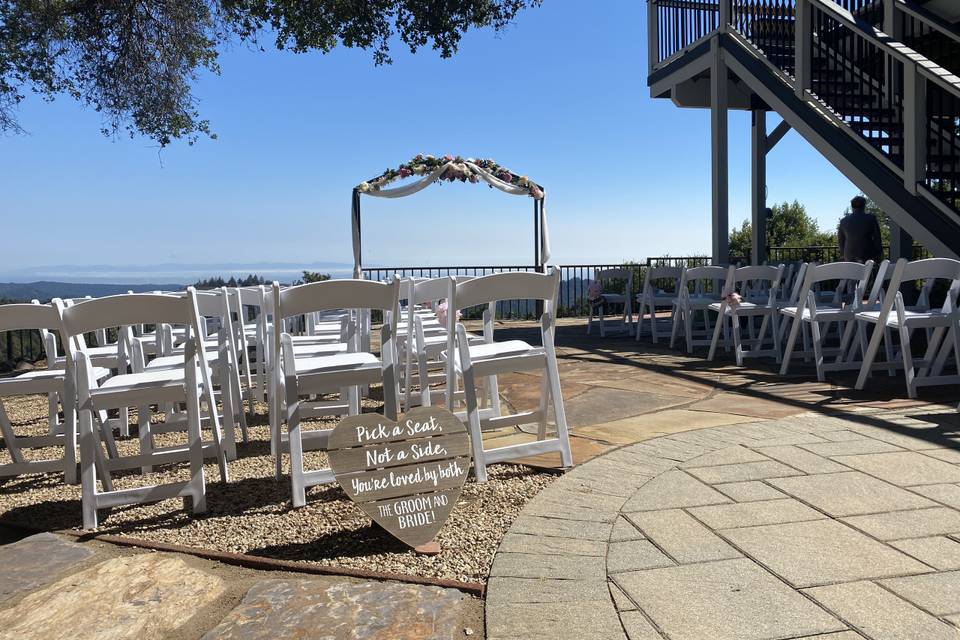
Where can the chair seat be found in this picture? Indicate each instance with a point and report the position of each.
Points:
(47, 375)
(338, 362)
(146, 380)
(931, 318)
(613, 298)
(700, 301)
(316, 350)
(174, 361)
(489, 351)
(746, 308)
(823, 311)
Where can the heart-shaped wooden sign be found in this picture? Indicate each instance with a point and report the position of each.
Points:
(405, 475)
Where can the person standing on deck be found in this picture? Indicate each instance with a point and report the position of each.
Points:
(859, 234)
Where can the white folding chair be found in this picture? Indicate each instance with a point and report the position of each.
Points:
(473, 362)
(653, 296)
(707, 285)
(764, 282)
(53, 382)
(841, 308)
(625, 299)
(298, 379)
(942, 326)
(182, 385)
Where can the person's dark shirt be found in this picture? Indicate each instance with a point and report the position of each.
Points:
(859, 237)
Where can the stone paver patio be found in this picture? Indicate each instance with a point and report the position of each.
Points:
(709, 501)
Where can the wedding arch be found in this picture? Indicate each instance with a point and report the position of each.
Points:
(432, 169)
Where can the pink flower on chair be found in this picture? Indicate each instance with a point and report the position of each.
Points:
(595, 292)
(442, 312)
(732, 298)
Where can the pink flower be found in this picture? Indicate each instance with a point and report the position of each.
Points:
(448, 158)
(404, 172)
(594, 291)
(442, 313)
(732, 298)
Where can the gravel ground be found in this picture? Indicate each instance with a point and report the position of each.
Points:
(252, 513)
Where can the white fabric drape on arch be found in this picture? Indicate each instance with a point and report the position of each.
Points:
(427, 180)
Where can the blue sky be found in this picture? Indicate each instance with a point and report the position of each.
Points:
(560, 96)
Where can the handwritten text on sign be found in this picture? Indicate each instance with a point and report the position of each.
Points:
(406, 475)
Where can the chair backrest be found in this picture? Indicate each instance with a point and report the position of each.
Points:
(756, 282)
(663, 273)
(699, 277)
(16, 317)
(929, 271)
(430, 291)
(336, 294)
(512, 285)
(851, 278)
(125, 310)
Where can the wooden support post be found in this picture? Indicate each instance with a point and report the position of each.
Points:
(803, 32)
(758, 208)
(719, 157)
(914, 128)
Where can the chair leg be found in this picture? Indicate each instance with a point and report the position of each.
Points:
(817, 349)
(737, 346)
(9, 438)
(88, 472)
(473, 423)
(907, 354)
(791, 342)
(544, 399)
(688, 327)
(717, 328)
(69, 400)
(144, 434)
(53, 411)
(603, 326)
(870, 355)
(195, 435)
(294, 437)
(675, 325)
(560, 415)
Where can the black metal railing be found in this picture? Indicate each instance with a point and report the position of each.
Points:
(23, 345)
(769, 26)
(937, 42)
(943, 145)
(857, 79)
(682, 23)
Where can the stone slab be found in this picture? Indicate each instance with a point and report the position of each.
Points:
(817, 552)
(801, 459)
(743, 472)
(850, 447)
(37, 561)
(738, 404)
(540, 565)
(749, 491)
(840, 635)
(557, 527)
(751, 514)
(620, 600)
(908, 524)
(302, 608)
(681, 537)
(938, 593)
(634, 555)
(938, 552)
(671, 490)
(530, 590)
(141, 596)
(554, 621)
(524, 543)
(638, 627)
(729, 455)
(623, 529)
(947, 455)
(948, 494)
(727, 600)
(879, 613)
(850, 493)
(904, 468)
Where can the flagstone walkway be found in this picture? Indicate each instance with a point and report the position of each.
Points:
(807, 527)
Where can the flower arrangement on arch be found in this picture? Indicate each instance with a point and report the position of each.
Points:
(425, 164)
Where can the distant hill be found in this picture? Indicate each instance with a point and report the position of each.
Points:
(45, 291)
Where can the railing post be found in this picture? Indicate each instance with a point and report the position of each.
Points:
(914, 127)
(653, 34)
(803, 32)
(724, 18)
(758, 180)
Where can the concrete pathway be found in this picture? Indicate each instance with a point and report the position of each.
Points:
(807, 527)
(52, 587)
